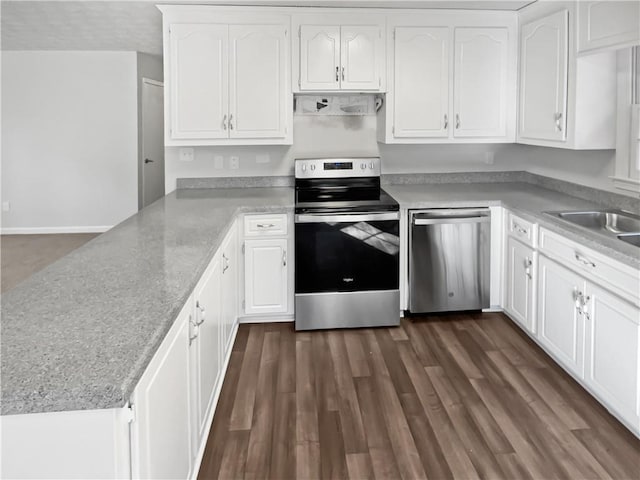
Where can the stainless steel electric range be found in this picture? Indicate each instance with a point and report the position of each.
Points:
(347, 245)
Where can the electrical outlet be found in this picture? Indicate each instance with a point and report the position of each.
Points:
(6, 206)
(234, 163)
(488, 158)
(187, 154)
(218, 162)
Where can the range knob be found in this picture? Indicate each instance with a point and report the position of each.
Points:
(313, 167)
(371, 165)
(363, 166)
(304, 167)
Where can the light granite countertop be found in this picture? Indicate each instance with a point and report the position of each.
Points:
(524, 199)
(80, 333)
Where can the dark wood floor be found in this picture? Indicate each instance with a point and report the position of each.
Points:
(465, 397)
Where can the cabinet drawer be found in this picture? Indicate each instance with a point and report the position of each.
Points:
(596, 267)
(521, 229)
(265, 225)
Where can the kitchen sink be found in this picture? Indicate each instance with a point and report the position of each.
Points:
(632, 238)
(614, 223)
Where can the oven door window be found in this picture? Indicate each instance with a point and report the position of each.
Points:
(347, 257)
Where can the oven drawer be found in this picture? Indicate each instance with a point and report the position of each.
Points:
(265, 225)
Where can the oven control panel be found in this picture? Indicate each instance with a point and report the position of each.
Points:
(337, 167)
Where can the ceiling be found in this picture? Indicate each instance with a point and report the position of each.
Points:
(136, 25)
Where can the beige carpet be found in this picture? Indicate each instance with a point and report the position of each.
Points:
(23, 255)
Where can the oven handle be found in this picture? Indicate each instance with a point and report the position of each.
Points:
(346, 218)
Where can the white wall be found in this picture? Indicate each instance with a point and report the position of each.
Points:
(331, 136)
(69, 140)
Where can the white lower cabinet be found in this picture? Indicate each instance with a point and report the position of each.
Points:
(612, 358)
(521, 270)
(561, 325)
(160, 433)
(266, 276)
(229, 287)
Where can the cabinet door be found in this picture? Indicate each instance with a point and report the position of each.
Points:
(520, 269)
(319, 57)
(229, 301)
(266, 276)
(421, 78)
(543, 78)
(199, 81)
(161, 431)
(612, 352)
(207, 317)
(257, 87)
(561, 326)
(480, 82)
(608, 24)
(360, 53)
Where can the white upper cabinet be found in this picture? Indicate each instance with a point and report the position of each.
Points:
(565, 101)
(608, 24)
(422, 68)
(227, 77)
(452, 78)
(339, 52)
(319, 57)
(199, 81)
(359, 57)
(258, 101)
(480, 82)
(543, 77)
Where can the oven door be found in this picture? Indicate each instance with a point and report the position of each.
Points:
(347, 252)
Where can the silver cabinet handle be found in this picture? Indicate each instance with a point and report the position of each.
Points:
(265, 225)
(558, 119)
(196, 330)
(585, 261)
(225, 263)
(343, 74)
(337, 74)
(446, 121)
(585, 307)
(527, 267)
(519, 229)
(284, 258)
(457, 121)
(202, 314)
(224, 122)
(231, 122)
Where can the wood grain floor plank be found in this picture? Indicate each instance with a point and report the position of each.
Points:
(234, 460)
(447, 396)
(260, 440)
(358, 358)
(349, 409)
(242, 414)
(359, 466)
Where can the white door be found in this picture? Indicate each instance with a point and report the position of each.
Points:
(612, 356)
(199, 81)
(480, 82)
(421, 82)
(229, 300)
(560, 324)
(152, 141)
(207, 317)
(161, 431)
(257, 87)
(543, 78)
(319, 57)
(360, 49)
(520, 270)
(266, 276)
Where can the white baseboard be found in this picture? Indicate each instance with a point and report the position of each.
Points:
(43, 230)
(259, 319)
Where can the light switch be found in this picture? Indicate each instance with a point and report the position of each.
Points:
(6, 206)
(234, 163)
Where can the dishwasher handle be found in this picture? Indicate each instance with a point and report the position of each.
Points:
(450, 220)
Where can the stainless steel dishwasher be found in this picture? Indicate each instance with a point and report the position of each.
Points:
(449, 259)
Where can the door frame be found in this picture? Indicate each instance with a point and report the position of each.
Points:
(141, 176)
